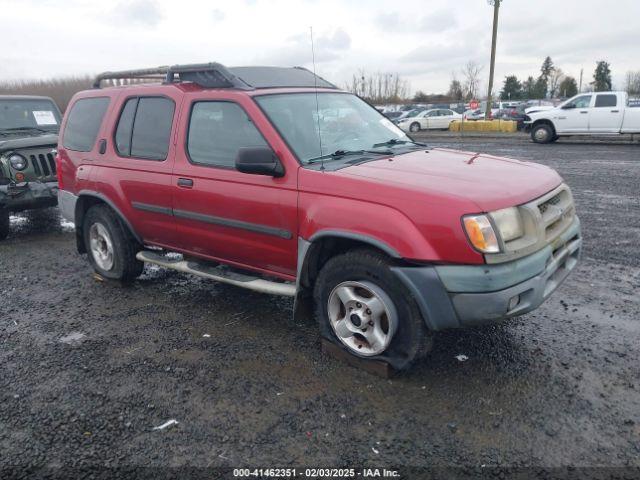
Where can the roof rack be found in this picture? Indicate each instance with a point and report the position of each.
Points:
(212, 75)
(215, 75)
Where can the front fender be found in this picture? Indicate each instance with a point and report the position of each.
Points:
(379, 225)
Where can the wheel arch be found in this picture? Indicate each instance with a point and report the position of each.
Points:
(86, 200)
(544, 121)
(315, 251)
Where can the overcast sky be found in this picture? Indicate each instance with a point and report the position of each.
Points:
(423, 40)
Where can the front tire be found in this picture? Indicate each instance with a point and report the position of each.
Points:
(110, 247)
(542, 133)
(414, 127)
(363, 308)
(4, 223)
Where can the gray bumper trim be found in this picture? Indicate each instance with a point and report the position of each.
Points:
(528, 282)
(479, 308)
(67, 204)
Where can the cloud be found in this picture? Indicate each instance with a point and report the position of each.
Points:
(141, 12)
(436, 22)
(297, 51)
(218, 15)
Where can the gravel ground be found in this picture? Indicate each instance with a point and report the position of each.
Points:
(89, 370)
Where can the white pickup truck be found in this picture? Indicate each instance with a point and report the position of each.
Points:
(598, 113)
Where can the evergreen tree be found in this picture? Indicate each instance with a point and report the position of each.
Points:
(568, 87)
(602, 77)
(512, 88)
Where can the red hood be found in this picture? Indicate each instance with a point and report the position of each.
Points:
(489, 182)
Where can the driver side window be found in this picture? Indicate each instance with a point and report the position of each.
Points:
(581, 102)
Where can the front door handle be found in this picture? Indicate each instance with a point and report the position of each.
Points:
(584, 111)
(615, 111)
(185, 183)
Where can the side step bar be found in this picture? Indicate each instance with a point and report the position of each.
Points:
(219, 274)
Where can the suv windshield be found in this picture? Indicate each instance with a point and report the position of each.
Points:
(24, 115)
(343, 122)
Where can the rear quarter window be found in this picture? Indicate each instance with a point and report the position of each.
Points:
(144, 128)
(83, 123)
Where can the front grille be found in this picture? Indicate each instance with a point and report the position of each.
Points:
(556, 212)
(44, 164)
(544, 220)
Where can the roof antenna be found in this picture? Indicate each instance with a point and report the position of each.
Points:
(315, 84)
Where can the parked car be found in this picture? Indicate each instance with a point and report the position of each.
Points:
(236, 169)
(408, 113)
(439, 118)
(393, 114)
(476, 114)
(514, 114)
(28, 137)
(602, 113)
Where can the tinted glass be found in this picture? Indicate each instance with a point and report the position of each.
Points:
(83, 123)
(606, 101)
(217, 130)
(152, 128)
(125, 124)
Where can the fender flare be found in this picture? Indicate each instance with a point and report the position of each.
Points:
(103, 198)
(392, 252)
(303, 304)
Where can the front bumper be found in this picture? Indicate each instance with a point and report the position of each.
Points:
(28, 195)
(452, 296)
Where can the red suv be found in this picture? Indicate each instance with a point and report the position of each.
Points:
(275, 180)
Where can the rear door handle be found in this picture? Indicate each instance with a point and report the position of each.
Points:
(185, 183)
(615, 111)
(584, 111)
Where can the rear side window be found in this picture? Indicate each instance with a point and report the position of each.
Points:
(83, 123)
(217, 130)
(144, 128)
(606, 101)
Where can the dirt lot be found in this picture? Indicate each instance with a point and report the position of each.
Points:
(88, 369)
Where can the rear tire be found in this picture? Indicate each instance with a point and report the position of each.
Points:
(110, 246)
(542, 133)
(4, 223)
(362, 307)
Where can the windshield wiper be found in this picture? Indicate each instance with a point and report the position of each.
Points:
(20, 129)
(338, 154)
(395, 141)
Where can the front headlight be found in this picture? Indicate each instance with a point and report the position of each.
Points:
(18, 162)
(481, 233)
(509, 223)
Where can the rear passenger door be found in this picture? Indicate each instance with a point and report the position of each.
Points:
(606, 114)
(223, 214)
(135, 170)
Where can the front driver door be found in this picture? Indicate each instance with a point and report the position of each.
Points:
(223, 214)
(574, 116)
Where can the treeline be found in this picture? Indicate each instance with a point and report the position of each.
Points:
(552, 83)
(379, 87)
(60, 89)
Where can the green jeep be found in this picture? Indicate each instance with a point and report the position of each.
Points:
(28, 137)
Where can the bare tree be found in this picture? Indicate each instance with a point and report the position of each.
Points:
(555, 79)
(471, 73)
(632, 83)
(380, 87)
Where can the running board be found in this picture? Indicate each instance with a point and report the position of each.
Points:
(219, 274)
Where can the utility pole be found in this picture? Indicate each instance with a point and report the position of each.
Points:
(581, 72)
(496, 8)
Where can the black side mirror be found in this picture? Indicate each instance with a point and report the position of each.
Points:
(259, 161)
(569, 106)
